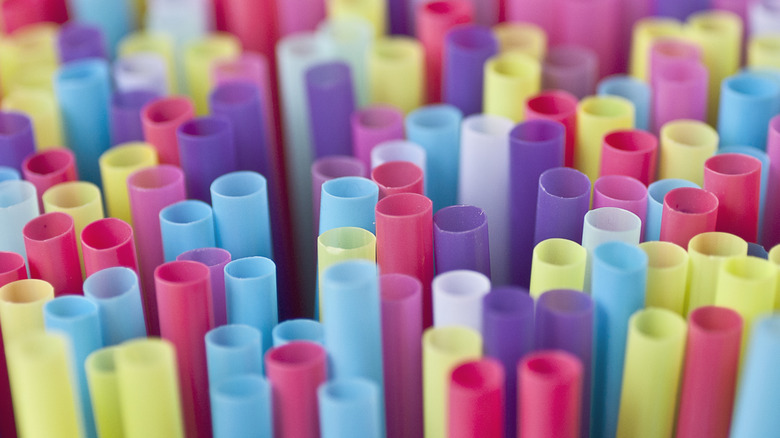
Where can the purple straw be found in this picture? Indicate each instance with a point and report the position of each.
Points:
(331, 104)
(460, 239)
(373, 125)
(126, 122)
(466, 49)
(215, 259)
(563, 200)
(80, 41)
(207, 151)
(16, 139)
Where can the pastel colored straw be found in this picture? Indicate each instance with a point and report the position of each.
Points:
(9, 173)
(77, 319)
(328, 168)
(18, 205)
(735, 179)
(762, 51)
(299, 18)
(113, 20)
(52, 254)
(484, 181)
(530, 11)
(398, 177)
(251, 295)
(765, 171)
(466, 49)
(150, 190)
(295, 371)
(534, 147)
(241, 215)
(596, 117)
(679, 92)
(299, 329)
(750, 95)
(373, 125)
(476, 387)
(619, 276)
(12, 267)
(349, 408)
(437, 129)
(457, 298)
(707, 252)
(594, 25)
(108, 242)
(183, 21)
(231, 351)
(638, 92)
(83, 90)
(21, 307)
(161, 119)
(509, 79)
(443, 348)
(254, 23)
(570, 68)
(709, 378)
(461, 239)
(350, 40)
(557, 264)
(687, 212)
(372, 11)
(399, 150)
(116, 165)
(45, 395)
(559, 106)
(348, 201)
(668, 50)
(401, 307)
(126, 115)
(564, 321)
(656, 192)
(16, 14)
(562, 189)
(184, 303)
(148, 386)
(521, 36)
(329, 85)
(771, 235)
(104, 391)
(751, 417)
(391, 59)
(155, 44)
(16, 140)
(207, 150)
(80, 40)
(30, 48)
(608, 224)
(241, 406)
(761, 19)
(685, 146)
(41, 108)
(667, 275)
(646, 32)
(215, 259)
(774, 257)
(508, 310)
(623, 192)
(632, 153)
(550, 392)
(341, 244)
(116, 293)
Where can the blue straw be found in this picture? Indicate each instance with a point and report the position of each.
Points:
(241, 407)
(241, 216)
(348, 201)
(250, 292)
(633, 89)
(349, 408)
(233, 350)
(186, 225)
(298, 330)
(116, 294)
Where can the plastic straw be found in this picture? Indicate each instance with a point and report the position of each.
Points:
(510, 79)
(342, 244)
(116, 294)
(508, 310)
(771, 235)
(667, 50)
(144, 71)
(52, 254)
(559, 106)
(41, 108)
(161, 119)
(531, 11)
(186, 225)
(254, 23)
(762, 51)
(16, 140)
(18, 14)
(350, 39)
(215, 259)
(9, 173)
(331, 102)
(397, 73)
(21, 307)
(299, 17)
(373, 125)
(152, 43)
(646, 33)
(688, 211)
(12, 267)
(557, 264)
(116, 165)
(521, 36)
(623, 192)
(398, 177)
(619, 276)
(126, 115)
(570, 68)
(685, 146)
(476, 399)
(561, 190)
(595, 25)
(460, 239)
(241, 406)
(466, 49)
(443, 349)
(755, 99)
(398, 150)
(327, 168)
(401, 305)
(184, 302)
(104, 391)
(231, 351)
(638, 92)
(241, 216)
(710, 377)
(679, 91)
(656, 192)
(348, 202)
(207, 151)
(765, 171)
(298, 330)
(18, 205)
(349, 408)
(736, 181)
(295, 371)
(108, 242)
(457, 298)
(631, 153)
(667, 275)
(114, 20)
(707, 252)
(608, 224)
(29, 49)
(596, 117)
(774, 257)
(199, 56)
(251, 295)
(372, 11)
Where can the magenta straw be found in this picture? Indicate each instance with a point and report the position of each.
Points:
(571, 68)
(594, 24)
(374, 125)
(215, 259)
(771, 234)
(679, 92)
(622, 192)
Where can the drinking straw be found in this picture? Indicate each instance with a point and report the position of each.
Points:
(672, 50)
(350, 38)
(9, 173)
(184, 303)
(633, 153)
(126, 115)
(534, 147)
(104, 391)
(774, 257)
(241, 215)
(184, 21)
(331, 102)
(16, 140)
(83, 91)
(437, 128)
(161, 120)
(328, 168)
(765, 171)
(510, 79)
(399, 150)
(251, 295)
(151, 43)
(570, 68)
(623, 192)
(106, 243)
(635, 90)
(298, 330)
(45, 398)
(667, 275)
(719, 34)
(457, 298)
(736, 181)
(762, 51)
(18, 205)
(207, 151)
(537, 12)
(349, 409)
(233, 350)
(656, 192)
(401, 306)
(215, 259)
(116, 165)
(679, 92)
(348, 201)
(398, 177)
(371, 11)
(397, 73)
(685, 146)
(41, 108)
(300, 17)
(484, 181)
(771, 234)
(76, 318)
(619, 276)
(550, 392)
(12, 267)
(710, 377)
(80, 199)
(466, 49)
(707, 252)
(241, 406)
(564, 322)
(557, 264)
(373, 125)
(148, 387)
(607, 224)
(646, 33)
(112, 20)
(559, 106)
(295, 371)
(597, 116)
(17, 14)
(50, 243)
(117, 296)
(254, 24)
(80, 40)
(521, 36)
(595, 25)
(443, 348)
(476, 399)
(561, 190)
(754, 97)
(28, 50)
(21, 307)
(404, 240)
(688, 211)
(461, 239)
(508, 310)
